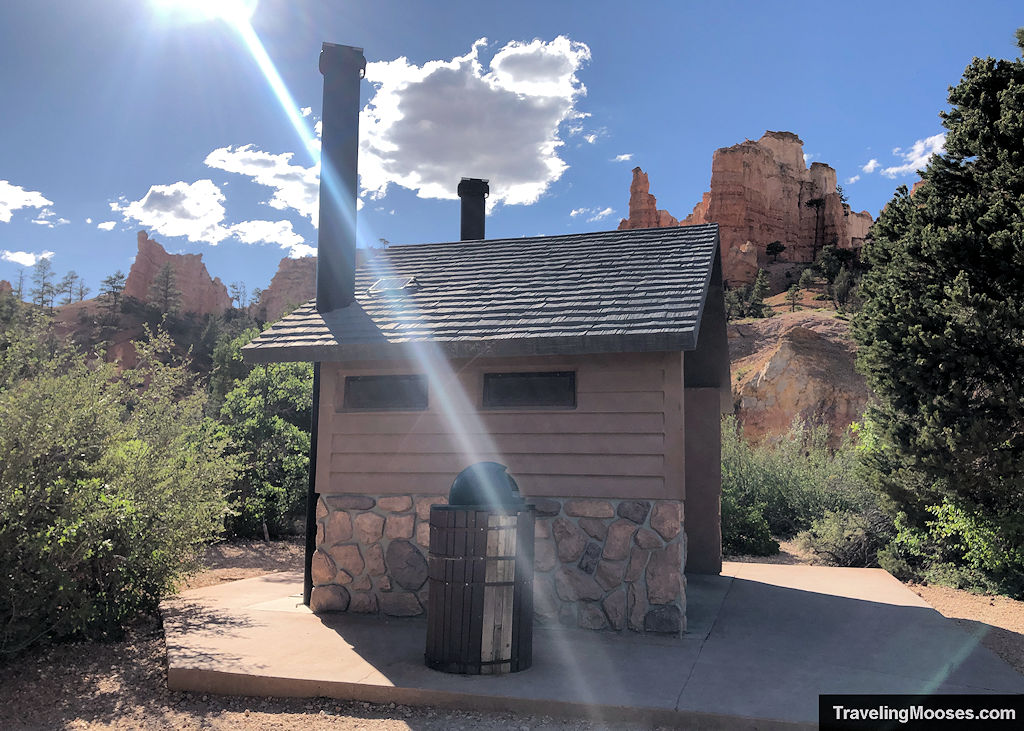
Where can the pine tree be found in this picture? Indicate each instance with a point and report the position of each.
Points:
(164, 294)
(42, 276)
(66, 287)
(941, 331)
(111, 289)
(793, 297)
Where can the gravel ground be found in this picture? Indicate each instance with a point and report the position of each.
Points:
(122, 685)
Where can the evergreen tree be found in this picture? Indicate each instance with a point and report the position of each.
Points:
(806, 279)
(239, 295)
(66, 287)
(756, 306)
(941, 331)
(42, 277)
(81, 291)
(111, 289)
(793, 297)
(164, 294)
(774, 249)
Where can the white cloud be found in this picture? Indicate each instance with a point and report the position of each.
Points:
(870, 166)
(13, 197)
(591, 138)
(306, 111)
(427, 126)
(106, 225)
(295, 187)
(194, 210)
(808, 156)
(917, 157)
(854, 179)
(624, 158)
(25, 258)
(593, 214)
(88, 220)
(272, 232)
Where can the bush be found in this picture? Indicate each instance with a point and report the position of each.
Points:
(848, 537)
(267, 415)
(108, 487)
(788, 484)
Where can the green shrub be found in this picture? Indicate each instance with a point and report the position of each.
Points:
(848, 537)
(108, 487)
(267, 415)
(789, 483)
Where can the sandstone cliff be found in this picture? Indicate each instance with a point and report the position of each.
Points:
(5, 287)
(292, 285)
(794, 365)
(199, 293)
(762, 192)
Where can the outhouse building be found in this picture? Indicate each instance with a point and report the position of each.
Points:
(593, 365)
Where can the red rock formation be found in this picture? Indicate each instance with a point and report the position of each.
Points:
(292, 285)
(762, 192)
(643, 207)
(794, 366)
(5, 287)
(199, 293)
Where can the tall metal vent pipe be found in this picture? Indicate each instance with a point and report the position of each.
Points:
(342, 67)
(473, 191)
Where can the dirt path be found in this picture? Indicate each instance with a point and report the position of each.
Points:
(122, 685)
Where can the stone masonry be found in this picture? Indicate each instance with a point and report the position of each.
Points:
(612, 565)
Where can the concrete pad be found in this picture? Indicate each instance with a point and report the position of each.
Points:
(764, 640)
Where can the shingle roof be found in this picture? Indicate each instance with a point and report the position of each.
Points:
(615, 291)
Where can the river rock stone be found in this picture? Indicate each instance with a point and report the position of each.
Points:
(591, 555)
(615, 609)
(399, 526)
(635, 510)
(329, 599)
(609, 574)
(547, 506)
(573, 585)
(544, 557)
(594, 527)
(337, 528)
(664, 575)
(646, 538)
(665, 619)
(667, 519)
(394, 504)
(425, 502)
(591, 616)
(323, 570)
(569, 539)
(350, 502)
(589, 509)
(369, 527)
(406, 564)
(620, 533)
(348, 558)
(374, 558)
(363, 602)
(400, 604)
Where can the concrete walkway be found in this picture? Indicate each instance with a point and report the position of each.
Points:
(764, 640)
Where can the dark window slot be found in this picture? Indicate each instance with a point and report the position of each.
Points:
(385, 393)
(553, 390)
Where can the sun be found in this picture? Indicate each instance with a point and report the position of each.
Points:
(234, 12)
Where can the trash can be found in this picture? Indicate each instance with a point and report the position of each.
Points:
(480, 595)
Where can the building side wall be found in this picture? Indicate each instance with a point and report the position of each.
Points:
(608, 480)
(703, 506)
(621, 440)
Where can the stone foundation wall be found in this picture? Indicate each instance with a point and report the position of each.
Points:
(599, 564)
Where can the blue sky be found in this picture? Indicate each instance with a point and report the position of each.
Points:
(126, 114)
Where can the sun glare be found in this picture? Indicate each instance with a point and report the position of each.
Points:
(232, 11)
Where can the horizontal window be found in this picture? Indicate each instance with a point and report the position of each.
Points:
(530, 390)
(398, 393)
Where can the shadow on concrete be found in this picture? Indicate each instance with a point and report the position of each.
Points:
(760, 648)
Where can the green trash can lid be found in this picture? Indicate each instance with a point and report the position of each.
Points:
(485, 484)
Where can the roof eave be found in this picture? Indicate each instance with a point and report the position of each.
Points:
(491, 347)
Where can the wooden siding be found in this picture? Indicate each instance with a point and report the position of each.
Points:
(623, 439)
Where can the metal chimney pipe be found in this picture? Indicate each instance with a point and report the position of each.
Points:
(342, 67)
(473, 191)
